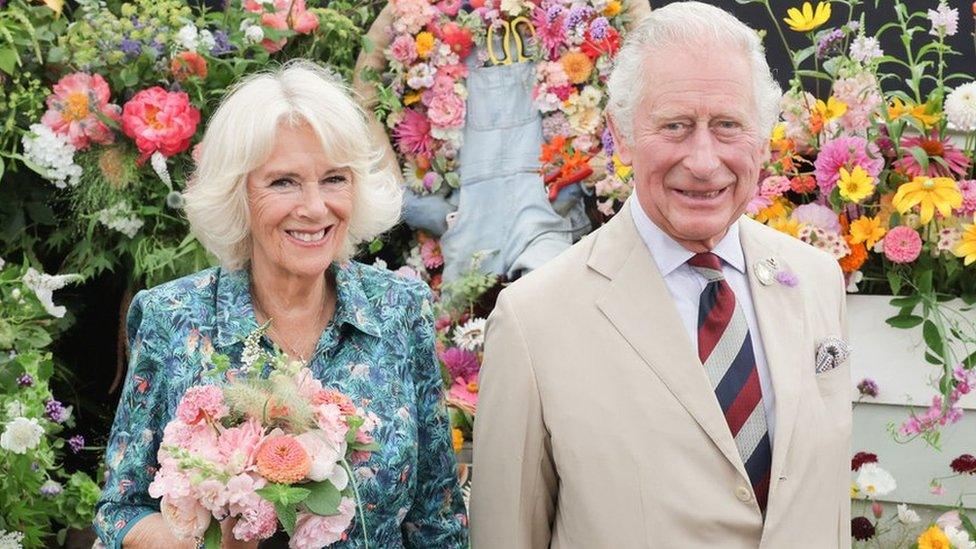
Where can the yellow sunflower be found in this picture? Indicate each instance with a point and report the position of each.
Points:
(932, 193)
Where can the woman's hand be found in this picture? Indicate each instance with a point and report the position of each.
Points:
(152, 532)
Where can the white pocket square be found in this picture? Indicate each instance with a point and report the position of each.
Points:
(831, 353)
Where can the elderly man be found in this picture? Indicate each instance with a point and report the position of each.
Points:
(678, 378)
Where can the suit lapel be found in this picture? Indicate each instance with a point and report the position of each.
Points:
(780, 314)
(639, 305)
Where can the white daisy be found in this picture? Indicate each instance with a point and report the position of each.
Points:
(471, 336)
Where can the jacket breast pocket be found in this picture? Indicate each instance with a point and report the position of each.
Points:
(834, 380)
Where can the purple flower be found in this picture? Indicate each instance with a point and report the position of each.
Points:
(221, 43)
(576, 16)
(131, 48)
(786, 278)
(599, 28)
(50, 488)
(25, 381)
(460, 363)
(553, 13)
(55, 411)
(868, 387)
(76, 443)
(829, 43)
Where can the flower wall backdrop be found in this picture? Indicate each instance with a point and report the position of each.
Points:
(104, 102)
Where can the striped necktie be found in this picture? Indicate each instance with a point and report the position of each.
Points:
(725, 349)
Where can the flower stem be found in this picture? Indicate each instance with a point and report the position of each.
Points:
(359, 500)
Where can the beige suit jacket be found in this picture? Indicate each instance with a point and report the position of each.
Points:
(597, 426)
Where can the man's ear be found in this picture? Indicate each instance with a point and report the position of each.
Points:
(619, 143)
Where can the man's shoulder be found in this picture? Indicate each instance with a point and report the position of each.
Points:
(556, 277)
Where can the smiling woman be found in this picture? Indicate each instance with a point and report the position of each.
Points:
(285, 188)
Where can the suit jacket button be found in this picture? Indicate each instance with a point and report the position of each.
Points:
(743, 493)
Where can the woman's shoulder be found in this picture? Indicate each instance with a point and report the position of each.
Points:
(191, 291)
(381, 284)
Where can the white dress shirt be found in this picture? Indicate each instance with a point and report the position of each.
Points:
(686, 286)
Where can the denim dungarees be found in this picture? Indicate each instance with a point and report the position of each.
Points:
(502, 207)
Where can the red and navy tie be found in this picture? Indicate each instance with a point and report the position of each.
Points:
(725, 349)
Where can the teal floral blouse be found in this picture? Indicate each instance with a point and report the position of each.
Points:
(378, 349)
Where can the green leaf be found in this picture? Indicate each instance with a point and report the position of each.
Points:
(894, 281)
(931, 335)
(283, 494)
(905, 302)
(8, 60)
(970, 361)
(921, 157)
(925, 281)
(968, 525)
(323, 499)
(211, 538)
(904, 321)
(932, 359)
(287, 516)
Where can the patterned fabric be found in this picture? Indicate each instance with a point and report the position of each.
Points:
(378, 348)
(725, 349)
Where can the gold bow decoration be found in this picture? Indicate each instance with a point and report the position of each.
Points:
(511, 38)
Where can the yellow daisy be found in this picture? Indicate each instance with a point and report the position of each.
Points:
(808, 19)
(833, 108)
(867, 230)
(855, 185)
(932, 193)
(933, 538)
(967, 244)
(786, 225)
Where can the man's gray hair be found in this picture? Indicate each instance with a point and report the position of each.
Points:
(689, 25)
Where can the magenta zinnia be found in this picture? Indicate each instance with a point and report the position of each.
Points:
(845, 152)
(413, 134)
(938, 150)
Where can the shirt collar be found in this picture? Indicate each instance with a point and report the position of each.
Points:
(235, 311)
(668, 254)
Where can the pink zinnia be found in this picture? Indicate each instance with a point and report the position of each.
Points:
(413, 134)
(460, 362)
(281, 458)
(845, 152)
(465, 389)
(430, 254)
(201, 402)
(955, 161)
(902, 244)
(447, 111)
(74, 106)
(968, 189)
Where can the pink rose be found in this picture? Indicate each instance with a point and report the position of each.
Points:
(170, 482)
(314, 531)
(185, 517)
(447, 111)
(237, 446)
(288, 14)
(325, 454)
(332, 423)
(159, 120)
(403, 49)
(73, 109)
(212, 494)
(449, 8)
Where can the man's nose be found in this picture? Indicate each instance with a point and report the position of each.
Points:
(702, 161)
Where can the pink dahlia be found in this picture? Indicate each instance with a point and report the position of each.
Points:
(314, 531)
(968, 189)
(413, 135)
(549, 30)
(944, 158)
(845, 152)
(159, 120)
(74, 106)
(202, 402)
(902, 244)
(460, 362)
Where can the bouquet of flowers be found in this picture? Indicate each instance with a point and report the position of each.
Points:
(263, 450)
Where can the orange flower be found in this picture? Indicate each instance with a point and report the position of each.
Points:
(187, 64)
(552, 148)
(329, 396)
(282, 459)
(577, 66)
(853, 261)
(803, 184)
(457, 438)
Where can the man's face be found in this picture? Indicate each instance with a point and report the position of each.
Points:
(696, 151)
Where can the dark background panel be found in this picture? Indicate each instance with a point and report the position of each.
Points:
(756, 16)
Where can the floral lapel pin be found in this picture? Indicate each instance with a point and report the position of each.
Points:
(769, 270)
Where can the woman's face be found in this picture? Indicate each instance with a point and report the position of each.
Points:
(300, 206)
